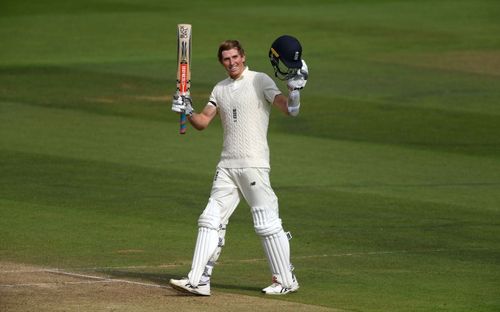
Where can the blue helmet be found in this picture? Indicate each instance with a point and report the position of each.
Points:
(285, 55)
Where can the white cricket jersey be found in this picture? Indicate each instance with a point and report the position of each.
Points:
(244, 106)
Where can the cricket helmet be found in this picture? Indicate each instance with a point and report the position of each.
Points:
(285, 55)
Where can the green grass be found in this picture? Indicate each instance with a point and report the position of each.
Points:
(389, 179)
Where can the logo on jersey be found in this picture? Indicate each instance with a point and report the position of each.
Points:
(235, 115)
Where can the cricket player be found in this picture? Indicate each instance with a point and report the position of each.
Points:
(243, 101)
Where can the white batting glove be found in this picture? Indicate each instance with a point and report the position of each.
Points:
(182, 104)
(299, 81)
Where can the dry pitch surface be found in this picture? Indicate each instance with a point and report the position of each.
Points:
(29, 288)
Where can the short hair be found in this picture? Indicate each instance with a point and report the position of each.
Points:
(228, 45)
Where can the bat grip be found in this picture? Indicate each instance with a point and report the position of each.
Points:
(182, 123)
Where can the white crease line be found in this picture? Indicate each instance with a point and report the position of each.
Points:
(22, 271)
(104, 278)
(131, 267)
(95, 279)
(51, 284)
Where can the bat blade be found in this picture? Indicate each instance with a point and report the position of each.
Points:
(183, 67)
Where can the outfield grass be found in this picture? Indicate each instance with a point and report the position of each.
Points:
(389, 179)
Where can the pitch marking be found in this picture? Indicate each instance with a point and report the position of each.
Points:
(95, 279)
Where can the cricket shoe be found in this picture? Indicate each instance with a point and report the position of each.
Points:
(184, 286)
(277, 289)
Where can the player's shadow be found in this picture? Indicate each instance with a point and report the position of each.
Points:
(235, 287)
(163, 279)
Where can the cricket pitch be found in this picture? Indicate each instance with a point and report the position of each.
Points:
(28, 288)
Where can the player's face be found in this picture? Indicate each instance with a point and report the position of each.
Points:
(233, 62)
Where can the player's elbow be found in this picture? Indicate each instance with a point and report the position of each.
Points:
(198, 124)
(199, 127)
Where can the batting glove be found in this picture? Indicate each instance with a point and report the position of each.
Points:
(182, 104)
(299, 81)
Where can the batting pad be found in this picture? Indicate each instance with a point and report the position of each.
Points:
(266, 221)
(206, 244)
(215, 256)
(277, 249)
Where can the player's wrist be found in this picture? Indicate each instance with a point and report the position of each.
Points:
(293, 110)
(293, 102)
(293, 98)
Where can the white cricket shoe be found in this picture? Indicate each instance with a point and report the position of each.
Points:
(184, 286)
(277, 289)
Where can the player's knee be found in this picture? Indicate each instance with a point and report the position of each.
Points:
(266, 221)
(210, 218)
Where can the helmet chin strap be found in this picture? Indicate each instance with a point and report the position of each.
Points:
(283, 74)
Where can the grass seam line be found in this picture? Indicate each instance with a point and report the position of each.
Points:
(229, 261)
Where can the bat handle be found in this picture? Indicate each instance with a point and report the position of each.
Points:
(182, 123)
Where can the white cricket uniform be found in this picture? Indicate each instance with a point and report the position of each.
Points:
(244, 106)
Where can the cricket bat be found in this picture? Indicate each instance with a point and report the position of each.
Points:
(183, 67)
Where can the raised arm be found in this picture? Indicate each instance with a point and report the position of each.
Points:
(290, 105)
(281, 102)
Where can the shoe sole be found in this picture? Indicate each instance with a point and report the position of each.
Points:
(281, 294)
(187, 291)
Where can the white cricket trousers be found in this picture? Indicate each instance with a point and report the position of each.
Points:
(252, 183)
(255, 187)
